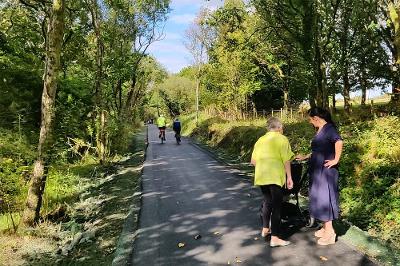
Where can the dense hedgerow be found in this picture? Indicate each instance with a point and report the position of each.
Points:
(16, 158)
(369, 168)
(69, 171)
(371, 197)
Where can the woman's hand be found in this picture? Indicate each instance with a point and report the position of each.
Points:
(302, 157)
(331, 163)
(289, 183)
(338, 153)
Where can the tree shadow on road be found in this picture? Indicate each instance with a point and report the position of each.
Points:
(180, 202)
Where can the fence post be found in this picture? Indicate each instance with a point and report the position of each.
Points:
(372, 106)
(281, 113)
(19, 127)
(272, 113)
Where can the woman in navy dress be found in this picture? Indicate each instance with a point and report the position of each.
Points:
(326, 146)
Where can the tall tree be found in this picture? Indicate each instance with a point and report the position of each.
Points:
(199, 37)
(394, 15)
(370, 59)
(99, 110)
(345, 44)
(145, 26)
(389, 22)
(54, 36)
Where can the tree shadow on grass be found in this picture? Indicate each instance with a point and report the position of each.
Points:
(99, 214)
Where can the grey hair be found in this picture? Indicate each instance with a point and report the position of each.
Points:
(274, 123)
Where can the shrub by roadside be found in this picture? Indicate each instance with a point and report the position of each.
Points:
(85, 228)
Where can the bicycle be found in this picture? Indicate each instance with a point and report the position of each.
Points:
(162, 135)
(178, 138)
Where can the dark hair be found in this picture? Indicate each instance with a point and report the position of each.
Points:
(321, 113)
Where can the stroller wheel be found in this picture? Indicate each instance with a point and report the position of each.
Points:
(310, 221)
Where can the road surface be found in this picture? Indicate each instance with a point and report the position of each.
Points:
(187, 193)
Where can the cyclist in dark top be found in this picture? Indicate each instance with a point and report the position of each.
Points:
(177, 128)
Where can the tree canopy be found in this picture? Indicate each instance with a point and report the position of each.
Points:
(272, 54)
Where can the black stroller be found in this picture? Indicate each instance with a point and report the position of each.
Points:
(300, 178)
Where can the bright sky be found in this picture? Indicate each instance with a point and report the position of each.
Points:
(170, 51)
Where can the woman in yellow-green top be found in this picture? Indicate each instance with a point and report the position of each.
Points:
(271, 158)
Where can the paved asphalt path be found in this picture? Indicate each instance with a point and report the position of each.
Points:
(186, 193)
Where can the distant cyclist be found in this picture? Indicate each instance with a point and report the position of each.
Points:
(161, 124)
(177, 128)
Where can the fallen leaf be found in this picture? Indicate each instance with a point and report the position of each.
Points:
(181, 245)
(216, 233)
(197, 237)
(256, 238)
(238, 260)
(323, 258)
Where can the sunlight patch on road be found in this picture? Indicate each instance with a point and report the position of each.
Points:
(216, 214)
(209, 195)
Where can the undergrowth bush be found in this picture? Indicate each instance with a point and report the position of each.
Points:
(371, 198)
(16, 157)
(69, 172)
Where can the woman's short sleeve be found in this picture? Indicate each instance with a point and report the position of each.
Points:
(286, 152)
(333, 135)
(254, 153)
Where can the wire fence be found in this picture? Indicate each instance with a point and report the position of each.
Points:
(288, 114)
(283, 114)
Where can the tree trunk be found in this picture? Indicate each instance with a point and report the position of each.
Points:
(333, 102)
(286, 95)
(286, 86)
(344, 58)
(394, 14)
(99, 103)
(346, 91)
(324, 86)
(396, 74)
(119, 88)
(52, 68)
(319, 70)
(101, 142)
(307, 43)
(363, 85)
(197, 94)
(322, 93)
(131, 92)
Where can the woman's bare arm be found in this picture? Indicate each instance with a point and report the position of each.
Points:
(338, 154)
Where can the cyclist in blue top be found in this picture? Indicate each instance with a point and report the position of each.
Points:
(177, 128)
